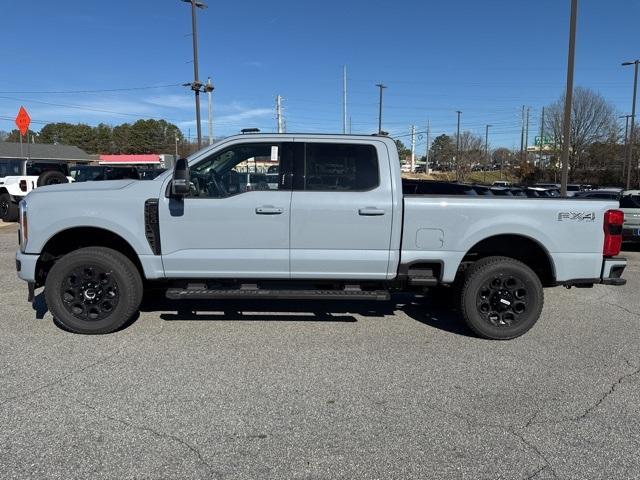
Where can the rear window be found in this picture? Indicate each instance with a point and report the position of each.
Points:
(630, 201)
(9, 168)
(340, 167)
(37, 168)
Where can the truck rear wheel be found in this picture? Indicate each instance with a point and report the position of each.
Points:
(501, 298)
(93, 290)
(8, 209)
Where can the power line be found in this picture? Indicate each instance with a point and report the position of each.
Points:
(105, 90)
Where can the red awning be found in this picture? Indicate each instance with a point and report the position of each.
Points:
(129, 159)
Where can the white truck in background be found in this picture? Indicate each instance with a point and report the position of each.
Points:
(18, 177)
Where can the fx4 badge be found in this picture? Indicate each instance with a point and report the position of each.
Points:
(577, 216)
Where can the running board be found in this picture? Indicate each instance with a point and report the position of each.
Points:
(277, 294)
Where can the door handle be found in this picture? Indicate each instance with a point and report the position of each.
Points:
(268, 210)
(370, 212)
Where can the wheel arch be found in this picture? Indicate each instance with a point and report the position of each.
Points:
(519, 247)
(74, 238)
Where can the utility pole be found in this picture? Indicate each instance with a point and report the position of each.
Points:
(568, 100)
(344, 99)
(209, 89)
(279, 113)
(196, 85)
(413, 148)
(458, 144)
(522, 138)
(486, 152)
(381, 87)
(541, 135)
(428, 146)
(177, 156)
(633, 120)
(526, 138)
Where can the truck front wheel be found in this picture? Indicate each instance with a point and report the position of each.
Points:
(501, 298)
(93, 290)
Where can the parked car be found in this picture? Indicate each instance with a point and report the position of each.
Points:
(502, 183)
(630, 205)
(598, 194)
(95, 173)
(19, 176)
(307, 240)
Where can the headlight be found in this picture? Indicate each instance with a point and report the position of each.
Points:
(24, 226)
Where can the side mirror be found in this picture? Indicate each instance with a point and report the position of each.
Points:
(180, 184)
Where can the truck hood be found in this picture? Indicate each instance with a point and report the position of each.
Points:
(86, 186)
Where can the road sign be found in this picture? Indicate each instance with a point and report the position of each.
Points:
(545, 140)
(22, 121)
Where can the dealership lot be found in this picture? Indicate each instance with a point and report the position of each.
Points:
(326, 390)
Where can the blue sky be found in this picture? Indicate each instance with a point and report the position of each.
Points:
(486, 58)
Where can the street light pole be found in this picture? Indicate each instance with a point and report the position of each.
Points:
(633, 119)
(381, 87)
(486, 152)
(458, 144)
(196, 85)
(566, 130)
(626, 141)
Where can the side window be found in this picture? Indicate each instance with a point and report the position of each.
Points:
(339, 167)
(237, 169)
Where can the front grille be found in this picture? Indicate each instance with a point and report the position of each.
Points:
(152, 225)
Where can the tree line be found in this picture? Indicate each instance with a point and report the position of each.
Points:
(142, 136)
(597, 146)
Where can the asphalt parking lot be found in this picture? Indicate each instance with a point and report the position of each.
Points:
(398, 390)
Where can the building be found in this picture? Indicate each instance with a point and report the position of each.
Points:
(150, 160)
(43, 151)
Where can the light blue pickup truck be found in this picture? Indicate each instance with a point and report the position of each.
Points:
(334, 224)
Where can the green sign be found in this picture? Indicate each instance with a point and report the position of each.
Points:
(545, 140)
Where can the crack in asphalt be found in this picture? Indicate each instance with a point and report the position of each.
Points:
(635, 314)
(60, 379)
(547, 463)
(165, 436)
(537, 472)
(506, 428)
(609, 392)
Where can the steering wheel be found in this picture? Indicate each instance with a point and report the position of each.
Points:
(216, 182)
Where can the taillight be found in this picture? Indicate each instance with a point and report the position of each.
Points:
(613, 220)
(23, 185)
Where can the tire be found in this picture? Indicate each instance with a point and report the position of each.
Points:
(93, 290)
(51, 177)
(501, 298)
(8, 208)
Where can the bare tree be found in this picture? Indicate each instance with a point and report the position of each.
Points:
(593, 120)
(471, 153)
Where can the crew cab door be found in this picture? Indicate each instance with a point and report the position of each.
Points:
(341, 210)
(235, 221)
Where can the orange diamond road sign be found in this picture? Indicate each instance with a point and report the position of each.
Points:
(22, 121)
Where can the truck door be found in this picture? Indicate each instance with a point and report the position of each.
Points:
(341, 210)
(229, 226)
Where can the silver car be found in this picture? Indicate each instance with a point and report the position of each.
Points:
(630, 205)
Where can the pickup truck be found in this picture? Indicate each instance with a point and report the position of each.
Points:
(19, 176)
(336, 225)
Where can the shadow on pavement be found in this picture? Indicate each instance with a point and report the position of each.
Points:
(429, 310)
(433, 309)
